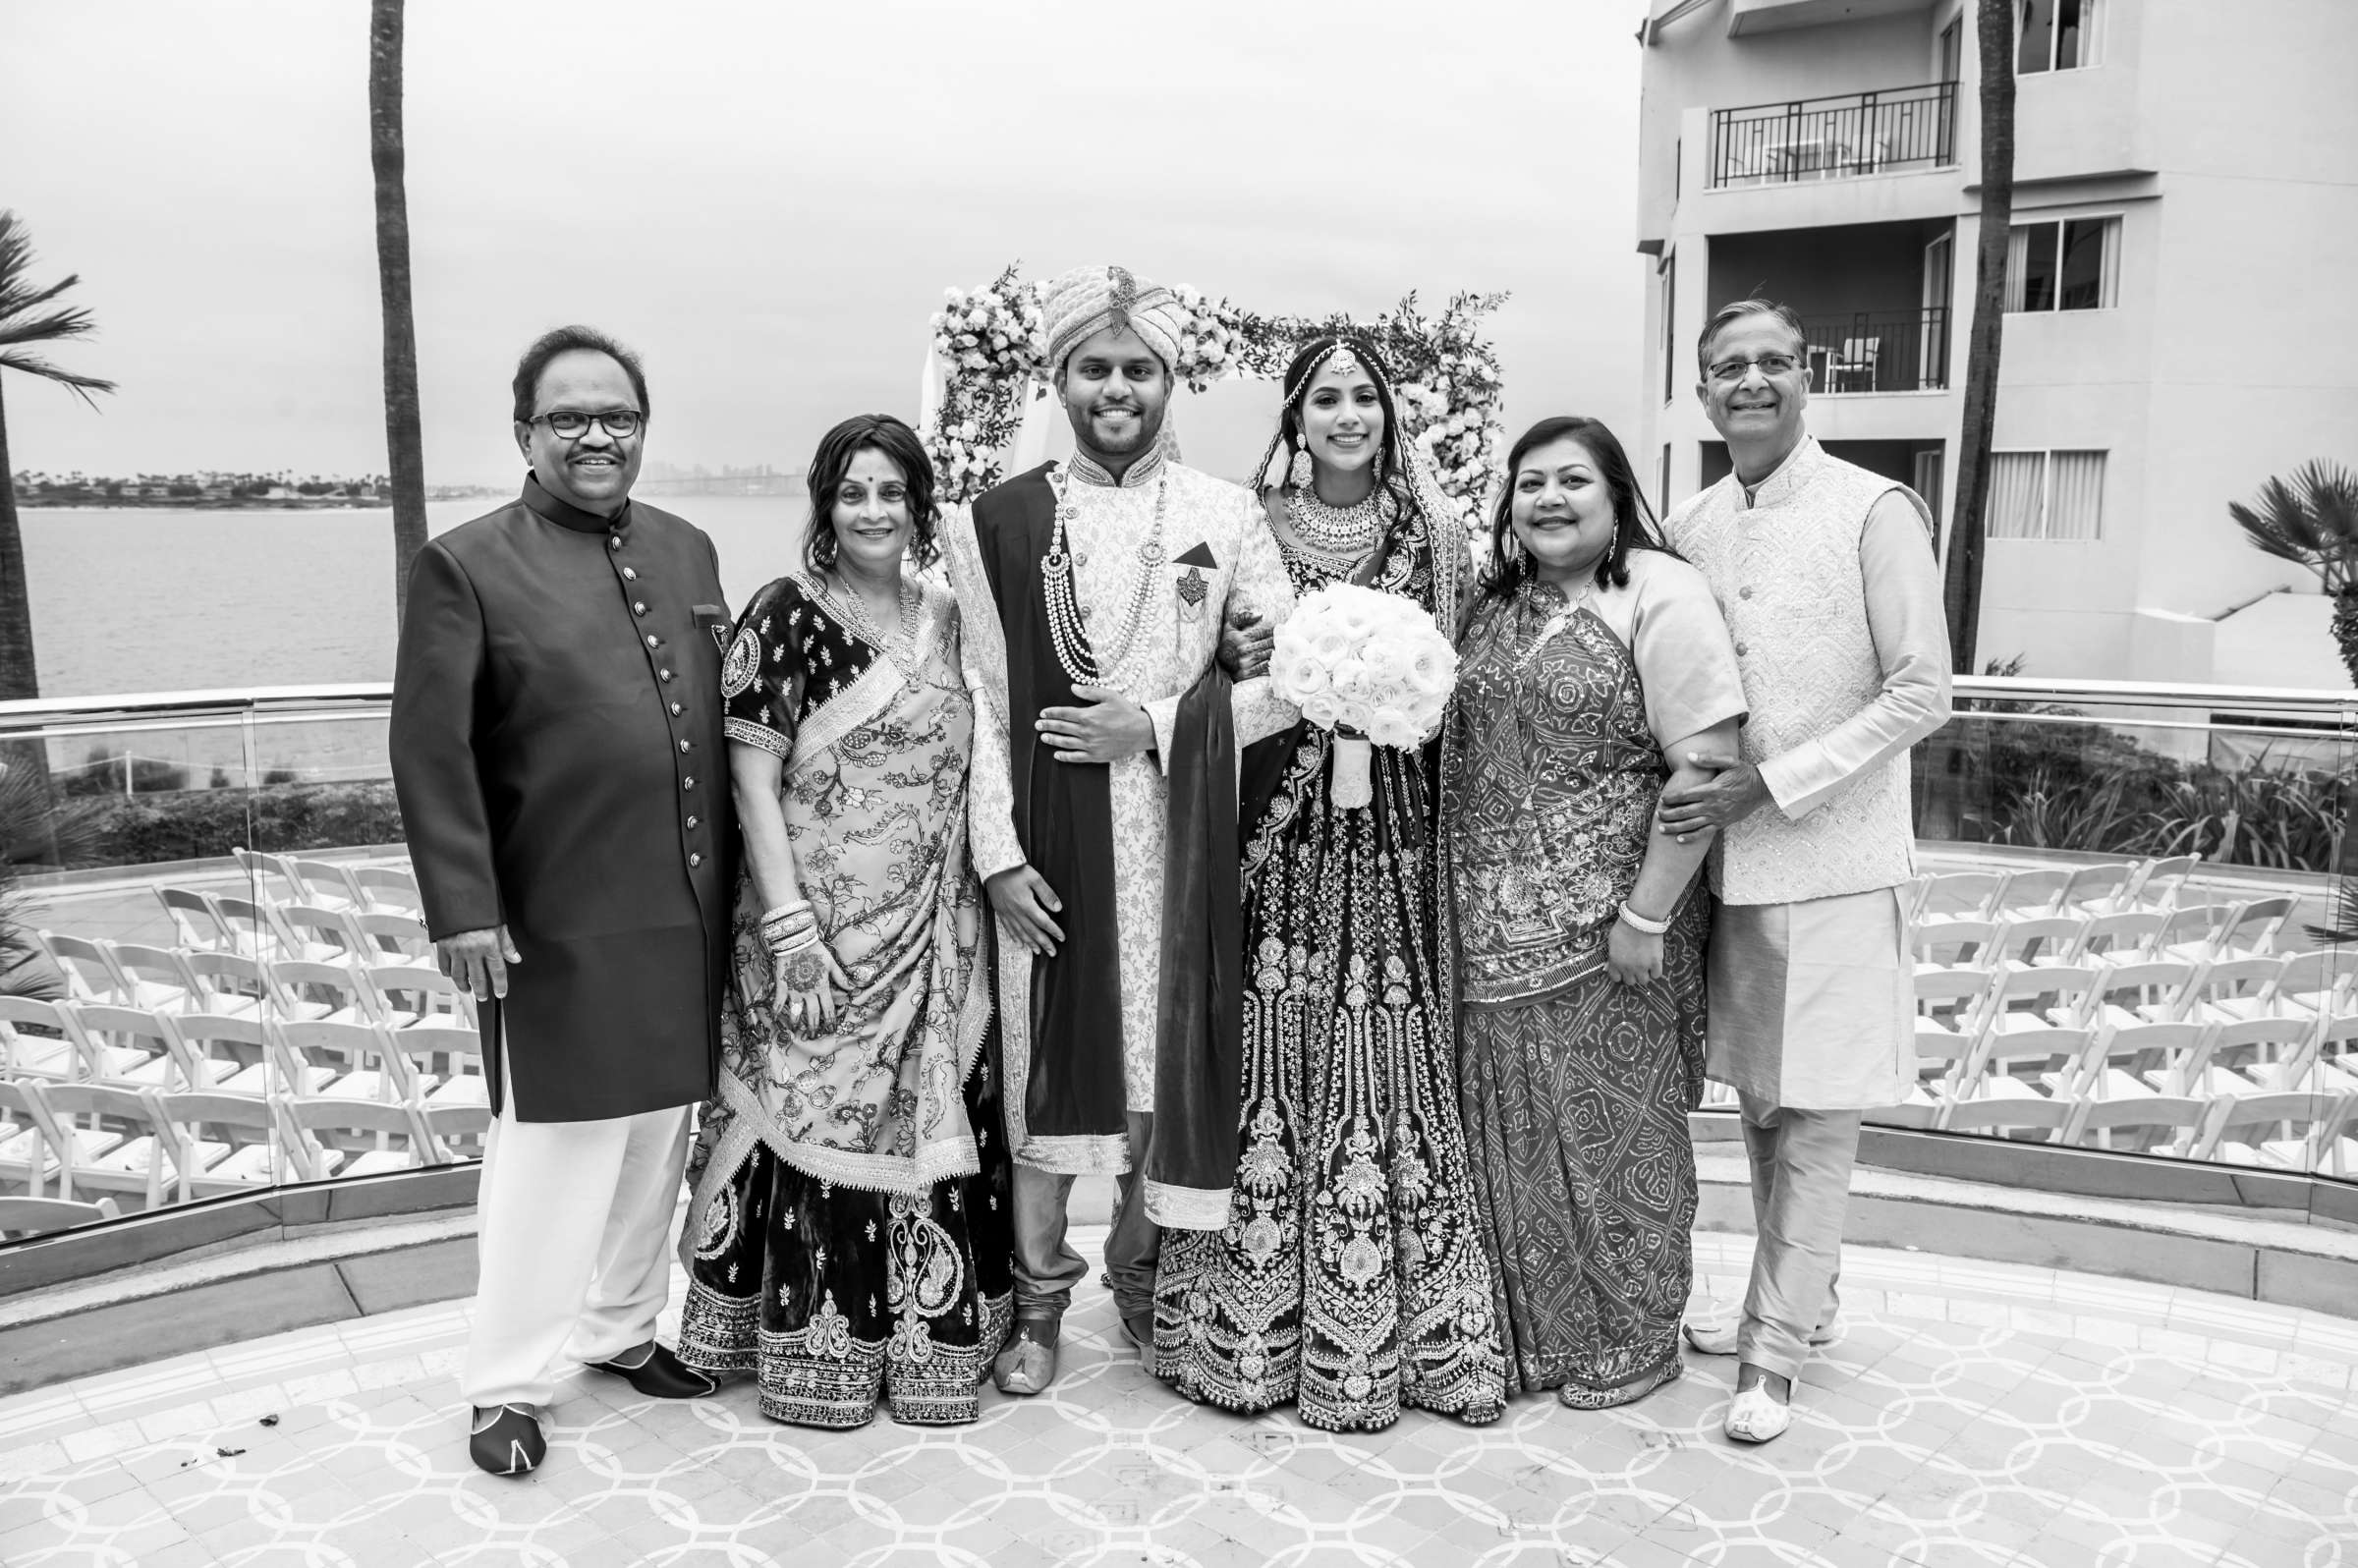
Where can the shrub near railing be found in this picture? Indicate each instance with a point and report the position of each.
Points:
(2090, 788)
(202, 824)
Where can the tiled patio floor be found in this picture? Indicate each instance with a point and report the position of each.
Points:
(1971, 1414)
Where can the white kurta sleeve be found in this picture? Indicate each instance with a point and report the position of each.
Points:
(1905, 617)
(991, 843)
(1258, 584)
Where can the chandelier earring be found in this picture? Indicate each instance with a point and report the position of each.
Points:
(1299, 471)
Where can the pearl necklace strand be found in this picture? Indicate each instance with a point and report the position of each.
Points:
(1066, 634)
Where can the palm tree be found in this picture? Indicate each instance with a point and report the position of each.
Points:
(1995, 46)
(2311, 520)
(30, 317)
(405, 449)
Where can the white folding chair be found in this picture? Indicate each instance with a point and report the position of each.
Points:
(2161, 883)
(227, 1144)
(28, 1140)
(1953, 945)
(158, 977)
(360, 1135)
(2042, 996)
(2098, 889)
(459, 1130)
(234, 1054)
(2249, 1054)
(89, 969)
(114, 1042)
(2144, 1124)
(230, 985)
(2040, 1062)
(406, 995)
(2121, 938)
(2029, 1120)
(25, 1053)
(197, 921)
(2155, 991)
(38, 1216)
(2288, 1131)
(2038, 939)
(327, 886)
(390, 890)
(1962, 895)
(269, 880)
(133, 1158)
(2034, 893)
(306, 992)
(2135, 1060)
(393, 939)
(443, 1064)
(332, 1061)
(320, 934)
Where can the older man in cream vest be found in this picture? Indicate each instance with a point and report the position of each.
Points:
(1826, 575)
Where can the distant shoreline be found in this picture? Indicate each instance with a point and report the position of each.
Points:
(225, 503)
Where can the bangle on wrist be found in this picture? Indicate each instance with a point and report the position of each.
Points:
(1639, 922)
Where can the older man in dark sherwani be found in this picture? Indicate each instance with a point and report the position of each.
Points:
(557, 748)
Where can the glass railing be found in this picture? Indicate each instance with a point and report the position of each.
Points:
(2127, 936)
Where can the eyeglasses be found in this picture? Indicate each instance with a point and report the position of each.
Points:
(1770, 365)
(620, 423)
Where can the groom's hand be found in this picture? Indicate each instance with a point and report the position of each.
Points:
(1110, 728)
(1244, 643)
(1024, 902)
(1732, 791)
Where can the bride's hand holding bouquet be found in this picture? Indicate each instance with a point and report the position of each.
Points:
(1369, 666)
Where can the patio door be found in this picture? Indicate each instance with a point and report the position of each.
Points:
(1932, 348)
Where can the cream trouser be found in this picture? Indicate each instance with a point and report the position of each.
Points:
(1801, 1162)
(574, 1240)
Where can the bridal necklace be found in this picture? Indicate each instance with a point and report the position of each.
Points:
(1344, 530)
(1081, 662)
(901, 649)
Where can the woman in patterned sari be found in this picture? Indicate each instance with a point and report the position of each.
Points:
(1593, 661)
(847, 1234)
(1350, 1278)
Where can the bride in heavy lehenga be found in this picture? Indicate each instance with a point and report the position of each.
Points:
(1350, 1277)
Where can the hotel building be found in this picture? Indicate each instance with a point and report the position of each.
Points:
(2181, 290)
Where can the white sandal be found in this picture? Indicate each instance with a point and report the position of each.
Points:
(1756, 1416)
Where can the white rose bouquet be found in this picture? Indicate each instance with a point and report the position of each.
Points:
(1369, 665)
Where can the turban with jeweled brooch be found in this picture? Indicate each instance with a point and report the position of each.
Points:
(1088, 299)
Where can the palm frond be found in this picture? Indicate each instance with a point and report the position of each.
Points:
(31, 316)
(2309, 519)
(82, 386)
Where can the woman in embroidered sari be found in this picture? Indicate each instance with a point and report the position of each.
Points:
(1350, 1278)
(1593, 661)
(848, 1231)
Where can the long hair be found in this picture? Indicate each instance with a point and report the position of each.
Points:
(869, 432)
(1634, 525)
(1290, 435)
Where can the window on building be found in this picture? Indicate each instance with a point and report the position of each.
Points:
(1670, 355)
(2046, 495)
(2072, 264)
(1662, 493)
(2054, 34)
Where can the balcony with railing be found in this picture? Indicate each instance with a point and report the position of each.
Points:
(1878, 351)
(1881, 131)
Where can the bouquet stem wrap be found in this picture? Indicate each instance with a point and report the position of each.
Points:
(1352, 785)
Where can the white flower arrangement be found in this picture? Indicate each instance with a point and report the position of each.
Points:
(1369, 665)
(992, 345)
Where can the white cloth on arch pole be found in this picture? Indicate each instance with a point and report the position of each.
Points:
(574, 1246)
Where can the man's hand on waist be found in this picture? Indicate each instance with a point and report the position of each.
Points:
(1732, 791)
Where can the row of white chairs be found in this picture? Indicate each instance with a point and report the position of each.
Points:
(181, 981)
(221, 923)
(2204, 933)
(357, 888)
(2288, 1131)
(421, 1054)
(2112, 887)
(2306, 989)
(154, 1146)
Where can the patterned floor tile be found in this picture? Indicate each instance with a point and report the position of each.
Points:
(1969, 1414)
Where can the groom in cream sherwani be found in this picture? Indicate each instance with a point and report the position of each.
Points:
(1092, 598)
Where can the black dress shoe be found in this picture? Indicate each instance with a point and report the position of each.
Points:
(507, 1443)
(663, 1375)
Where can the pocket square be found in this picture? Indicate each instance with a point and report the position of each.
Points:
(1200, 555)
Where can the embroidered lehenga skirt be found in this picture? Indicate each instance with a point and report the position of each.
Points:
(1350, 1278)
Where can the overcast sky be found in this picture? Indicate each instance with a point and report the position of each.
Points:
(766, 199)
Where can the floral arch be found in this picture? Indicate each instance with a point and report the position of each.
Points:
(989, 347)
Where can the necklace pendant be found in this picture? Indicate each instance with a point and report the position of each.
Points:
(1151, 554)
